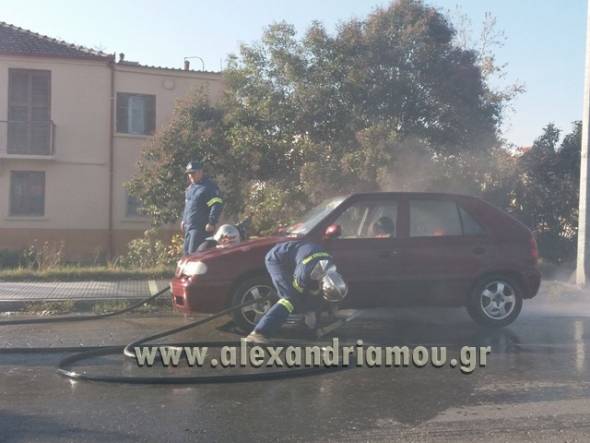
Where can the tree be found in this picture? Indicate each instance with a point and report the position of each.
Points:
(362, 109)
(546, 197)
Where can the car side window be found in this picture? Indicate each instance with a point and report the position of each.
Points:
(434, 218)
(470, 226)
(369, 220)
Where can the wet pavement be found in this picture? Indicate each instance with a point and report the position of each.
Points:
(536, 386)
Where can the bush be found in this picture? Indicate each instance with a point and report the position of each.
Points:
(43, 256)
(151, 251)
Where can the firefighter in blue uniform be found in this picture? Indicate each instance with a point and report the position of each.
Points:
(202, 208)
(298, 269)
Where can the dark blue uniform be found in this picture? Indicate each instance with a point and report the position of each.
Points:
(289, 265)
(202, 206)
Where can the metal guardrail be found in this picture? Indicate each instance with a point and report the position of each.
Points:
(27, 138)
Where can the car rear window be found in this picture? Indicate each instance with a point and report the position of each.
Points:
(470, 226)
(434, 218)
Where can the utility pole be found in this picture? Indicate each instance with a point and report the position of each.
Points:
(583, 215)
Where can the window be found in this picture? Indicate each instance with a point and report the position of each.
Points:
(470, 226)
(27, 193)
(136, 113)
(434, 218)
(29, 119)
(369, 220)
(133, 207)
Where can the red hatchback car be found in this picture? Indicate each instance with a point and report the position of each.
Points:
(443, 249)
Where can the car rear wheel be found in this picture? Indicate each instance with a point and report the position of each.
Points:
(495, 301)
(257, 288)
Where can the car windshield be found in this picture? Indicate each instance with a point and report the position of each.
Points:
(313, 217)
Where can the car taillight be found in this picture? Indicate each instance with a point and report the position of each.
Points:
(534, 249)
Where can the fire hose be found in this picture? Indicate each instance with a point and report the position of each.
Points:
(65, 366)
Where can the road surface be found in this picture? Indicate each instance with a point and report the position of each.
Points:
(535, 387)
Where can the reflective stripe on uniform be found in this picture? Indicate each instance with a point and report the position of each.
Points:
(287, 305)
(309, 258)
(214, 200)
(296, 286)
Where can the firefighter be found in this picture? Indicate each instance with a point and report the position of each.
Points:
(298, 270)
(202, 208)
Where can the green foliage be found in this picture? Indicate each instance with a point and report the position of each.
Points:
(43, 255)
(49, 307)
(151, 251)
(547, 192)
(273, 206)
(310, 117)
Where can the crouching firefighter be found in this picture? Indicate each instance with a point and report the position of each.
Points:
(301, 272)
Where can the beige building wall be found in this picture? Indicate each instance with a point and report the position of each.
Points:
(77, 175)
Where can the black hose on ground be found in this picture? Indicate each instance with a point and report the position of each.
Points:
(64, 369)
(65, 365)
(74, 318)
(129, 353)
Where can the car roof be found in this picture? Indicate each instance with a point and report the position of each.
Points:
(408, 193)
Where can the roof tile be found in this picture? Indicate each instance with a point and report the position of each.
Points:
(19, 41)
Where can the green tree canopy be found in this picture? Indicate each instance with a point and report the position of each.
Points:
(390, 101)
(546, 196)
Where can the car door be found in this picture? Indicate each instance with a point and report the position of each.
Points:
(368, 260)
(445, 249)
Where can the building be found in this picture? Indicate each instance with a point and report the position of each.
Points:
(73, 122)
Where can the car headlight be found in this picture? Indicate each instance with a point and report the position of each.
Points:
(192, 268)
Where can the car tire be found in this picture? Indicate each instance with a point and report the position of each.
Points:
(495, 301)
(255, 287)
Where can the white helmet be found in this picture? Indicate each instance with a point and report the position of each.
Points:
(227, 235)
(334, 288)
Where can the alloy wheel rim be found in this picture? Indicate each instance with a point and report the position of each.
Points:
(497, 300)
(254, 312)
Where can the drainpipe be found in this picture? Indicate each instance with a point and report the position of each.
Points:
(111, 248)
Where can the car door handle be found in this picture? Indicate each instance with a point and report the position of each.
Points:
(479, 250)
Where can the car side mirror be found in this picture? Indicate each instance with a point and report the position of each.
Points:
(333, 231)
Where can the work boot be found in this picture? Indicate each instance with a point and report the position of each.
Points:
(256, 338)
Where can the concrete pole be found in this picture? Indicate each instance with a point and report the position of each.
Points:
(584, 216)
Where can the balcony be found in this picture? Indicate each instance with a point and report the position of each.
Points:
(27, 139)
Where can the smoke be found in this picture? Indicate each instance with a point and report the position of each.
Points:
(413, 168)
(417, 167)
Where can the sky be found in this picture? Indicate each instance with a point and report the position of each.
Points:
(544, 46)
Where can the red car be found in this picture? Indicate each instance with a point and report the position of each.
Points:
(443, 249)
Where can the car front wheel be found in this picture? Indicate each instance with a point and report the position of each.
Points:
(257, 288)
(495, 301)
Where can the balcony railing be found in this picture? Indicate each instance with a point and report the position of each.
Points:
(27, 138)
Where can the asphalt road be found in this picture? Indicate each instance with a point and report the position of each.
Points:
(535, 387)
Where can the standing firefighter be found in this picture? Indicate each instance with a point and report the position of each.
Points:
(299, 270)
(202, 208)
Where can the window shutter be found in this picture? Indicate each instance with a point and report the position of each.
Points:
(150, 114)
(122, 112)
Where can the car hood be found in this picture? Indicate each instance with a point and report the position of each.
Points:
(262, 242)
